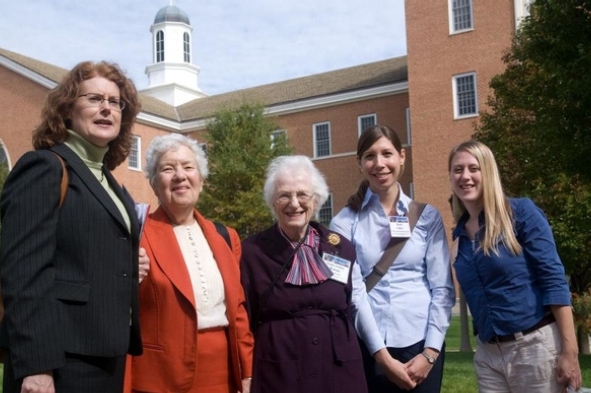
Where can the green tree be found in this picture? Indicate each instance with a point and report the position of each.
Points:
(240, 146)
(538, 124)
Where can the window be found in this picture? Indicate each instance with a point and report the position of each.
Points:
(325, 213)
(135, 158)
(366, 121)
(321, 139)
(460, 17)
(160, 46)
(465, 95)
(278, 136)
(203, 147)
(187, 47)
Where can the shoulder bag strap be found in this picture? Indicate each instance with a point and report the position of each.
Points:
(223, 231)
(415, 209)
(64, 183)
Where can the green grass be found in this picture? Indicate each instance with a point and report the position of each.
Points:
(458, 372)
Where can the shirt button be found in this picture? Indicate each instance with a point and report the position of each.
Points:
(315, 341)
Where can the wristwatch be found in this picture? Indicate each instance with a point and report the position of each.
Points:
(430, 359)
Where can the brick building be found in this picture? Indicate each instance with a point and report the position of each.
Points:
(454, 48)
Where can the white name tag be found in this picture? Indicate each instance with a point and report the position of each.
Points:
(399, 226)
(338, 266)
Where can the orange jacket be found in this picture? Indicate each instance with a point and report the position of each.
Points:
(167, 310)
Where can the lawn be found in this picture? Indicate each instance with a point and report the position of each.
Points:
(458, 373)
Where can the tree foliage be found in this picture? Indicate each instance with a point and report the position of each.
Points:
(539, 124)
(239, 149)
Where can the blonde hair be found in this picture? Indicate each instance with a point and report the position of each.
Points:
(498, 215)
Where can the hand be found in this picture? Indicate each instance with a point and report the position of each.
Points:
(568, 371)
(246, 385)
(395, 371)
(39, 383)
(144, 264)
(418, 368)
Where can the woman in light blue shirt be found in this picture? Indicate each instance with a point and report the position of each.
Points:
(407, 313)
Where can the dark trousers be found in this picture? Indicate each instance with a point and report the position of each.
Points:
(86, 374)
(377, 382)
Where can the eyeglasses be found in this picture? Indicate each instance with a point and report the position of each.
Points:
(96, 101)
(301, 196)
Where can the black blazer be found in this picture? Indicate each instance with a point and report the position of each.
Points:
(69, 274)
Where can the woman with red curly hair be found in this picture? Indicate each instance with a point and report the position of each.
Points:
(70, 265)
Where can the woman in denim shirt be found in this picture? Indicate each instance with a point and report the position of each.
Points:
(513, 280)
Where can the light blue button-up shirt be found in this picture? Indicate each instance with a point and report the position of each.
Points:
(413, 301)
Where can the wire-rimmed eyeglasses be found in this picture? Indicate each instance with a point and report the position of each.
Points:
(301, 196)
(96, 100)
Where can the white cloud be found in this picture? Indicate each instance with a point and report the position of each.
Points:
(236, 43)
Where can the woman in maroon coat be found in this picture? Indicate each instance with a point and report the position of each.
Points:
(297, 279)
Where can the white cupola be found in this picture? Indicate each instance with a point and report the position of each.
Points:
(172, 77)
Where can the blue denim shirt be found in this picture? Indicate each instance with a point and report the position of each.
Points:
(509, 293)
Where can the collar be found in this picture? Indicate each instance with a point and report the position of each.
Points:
(401, 205)
(88, 152)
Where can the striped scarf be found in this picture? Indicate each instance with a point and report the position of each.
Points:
(307, 266)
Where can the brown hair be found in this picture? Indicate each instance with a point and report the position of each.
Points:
(60, 100)
(368, 137)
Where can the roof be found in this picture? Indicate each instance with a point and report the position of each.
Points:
(171, 13)
(314, 86)
(345, 80)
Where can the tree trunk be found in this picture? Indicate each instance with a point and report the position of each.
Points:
(465, 345)
(583, 341)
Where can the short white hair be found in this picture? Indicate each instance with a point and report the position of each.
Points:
(162, 144)
(293, 165)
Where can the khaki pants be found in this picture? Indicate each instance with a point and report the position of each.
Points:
(526, 365)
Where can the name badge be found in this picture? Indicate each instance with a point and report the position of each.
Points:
(338, 266)
(399, 226)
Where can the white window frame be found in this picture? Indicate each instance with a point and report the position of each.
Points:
(136, 148)
(456, 97)
(159, 47)
(452, 24)
(275, 134)
(360, 119)
(315, 127)
(203, 147)
(328, 205)
(186, 47)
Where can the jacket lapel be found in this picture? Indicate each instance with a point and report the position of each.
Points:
(79, 168)
(159, 234)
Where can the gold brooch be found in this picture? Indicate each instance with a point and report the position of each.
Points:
(334, 239)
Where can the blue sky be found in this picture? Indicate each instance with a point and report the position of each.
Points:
(236, 43)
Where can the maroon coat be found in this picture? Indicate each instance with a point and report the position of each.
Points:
(304, 339)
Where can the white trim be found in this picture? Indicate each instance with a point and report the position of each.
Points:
(359, 128)
(315, 138)
(450, 16)
(137, 138)
(455, 95)
(521, 10)
(27, 73)
(284, 109)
